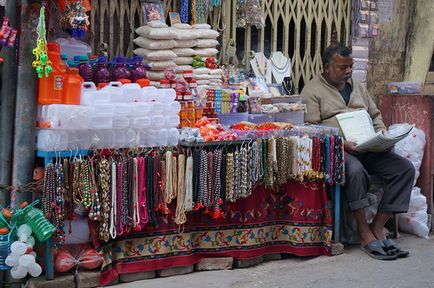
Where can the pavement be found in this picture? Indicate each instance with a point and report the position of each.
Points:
(353, 269)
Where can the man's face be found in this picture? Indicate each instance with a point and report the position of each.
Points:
(339, 70)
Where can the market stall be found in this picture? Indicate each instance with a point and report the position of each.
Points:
(167, 157)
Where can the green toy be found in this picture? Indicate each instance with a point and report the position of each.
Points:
(42, 64)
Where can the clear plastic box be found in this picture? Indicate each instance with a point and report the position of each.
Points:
(294, 117)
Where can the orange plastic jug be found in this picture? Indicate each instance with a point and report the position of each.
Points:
(72, 87)
(50, 90)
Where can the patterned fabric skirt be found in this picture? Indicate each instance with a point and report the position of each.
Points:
(294, 219)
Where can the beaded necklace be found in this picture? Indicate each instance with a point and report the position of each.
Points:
(150, 188)
(120, 198)
(188, 203)
(339, 161)
(57, 203)
(68, 197)
(95, 208)
(104, 187)
(143, 208)
(183, 11)
(49, 189)
(180, 216)
(237, 175)
(262, 69)
(230, 177)
(244, 172)
(168, 188)
(175, 176)
(203, 180)
(114, 202)
(210, 183)
(135, 195)
(217, 174)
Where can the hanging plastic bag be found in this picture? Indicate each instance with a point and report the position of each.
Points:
(77, 256)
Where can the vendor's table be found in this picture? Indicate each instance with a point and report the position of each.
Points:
(295, 219)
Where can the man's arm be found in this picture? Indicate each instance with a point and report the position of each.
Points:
(313, 107)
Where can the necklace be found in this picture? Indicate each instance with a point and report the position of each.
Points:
(262, 71)
(283, 67)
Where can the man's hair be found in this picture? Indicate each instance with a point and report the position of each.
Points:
(335, 49)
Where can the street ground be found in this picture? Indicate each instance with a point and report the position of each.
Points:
(354, 269)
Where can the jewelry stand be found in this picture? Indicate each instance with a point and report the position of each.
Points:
(261, 66)
(280, 66)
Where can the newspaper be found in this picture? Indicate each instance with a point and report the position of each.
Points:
(357, 127)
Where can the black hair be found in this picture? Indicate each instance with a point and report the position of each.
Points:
(335, 49)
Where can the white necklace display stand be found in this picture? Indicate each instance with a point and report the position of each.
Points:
(261, 66)
(280, 66)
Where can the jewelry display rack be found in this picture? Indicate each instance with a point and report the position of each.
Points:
(48, 157)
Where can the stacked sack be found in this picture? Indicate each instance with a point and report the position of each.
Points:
(156, 41)
(177, 47)
(415, 221)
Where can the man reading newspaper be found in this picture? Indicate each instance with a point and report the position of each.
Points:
(334, 92)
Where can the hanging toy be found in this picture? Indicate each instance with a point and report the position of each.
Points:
(8, 35)
(75, 20)
(42, 63)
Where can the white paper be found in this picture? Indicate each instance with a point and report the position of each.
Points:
(357, 127)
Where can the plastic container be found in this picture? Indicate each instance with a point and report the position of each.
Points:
(102, 73)
(141, 108)
(73, 47)
(65, 117)
(162, 137)
(294, 117)
(172, 121)
(173, 107)
(148, 94)
(5, 249)
(137, 68)
(141, 122)
(158, 121)
(91, 96)
(102, 110)
(120, 70)
(101, 122)
(121, 122)
(131, 92)
(166, 95)
(72, 87)
(173, 137)
(122, 109)
(51, 140)
(114, 89)
(102, 139)
(158, 108)
(50, 90)
(404, 87)
(85, 68)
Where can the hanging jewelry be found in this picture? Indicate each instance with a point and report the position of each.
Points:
(180, 216)
(95, 208)
(188, 203)
(168, 188)
(113, 208)
(230, 177)
(104, 187)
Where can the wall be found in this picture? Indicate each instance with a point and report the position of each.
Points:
(387, 51)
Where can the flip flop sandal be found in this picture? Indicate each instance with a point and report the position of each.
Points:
(391, 246)
(375, 249)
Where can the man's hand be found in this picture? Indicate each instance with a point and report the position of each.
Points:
(351, 148)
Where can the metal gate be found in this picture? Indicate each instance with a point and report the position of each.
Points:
(301, 29)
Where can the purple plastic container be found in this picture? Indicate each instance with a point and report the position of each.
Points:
(102, 73)
(85, 69)
(137, 68)
(120, 70)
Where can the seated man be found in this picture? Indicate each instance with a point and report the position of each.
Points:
(334, 92)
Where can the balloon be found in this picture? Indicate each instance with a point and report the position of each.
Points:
(23, 232)
(18, 272)
(12, 260)
(18, 248)
(26, 260)
(35, 270)
(30, 241)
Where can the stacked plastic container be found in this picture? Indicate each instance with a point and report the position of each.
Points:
(116, 116)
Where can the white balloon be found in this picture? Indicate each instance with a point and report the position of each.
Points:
(11, 260)
(23, 232)
(35, 270)
(18, 248)
(30, 241)
(26, 260)
(18, 272)
(33, 253)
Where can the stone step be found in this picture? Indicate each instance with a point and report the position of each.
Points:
(131, 277)
(87, 279)
(215, 263)
(244, 263)
(175, 271)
